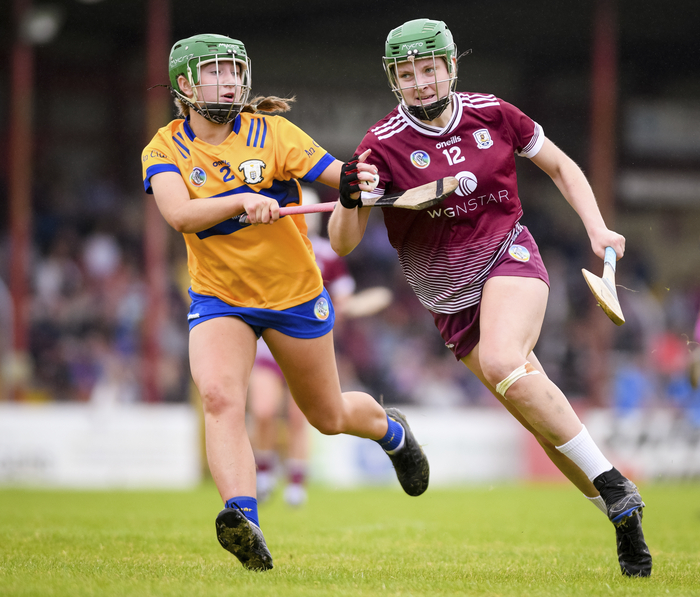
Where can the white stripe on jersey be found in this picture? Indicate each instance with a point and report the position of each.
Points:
(403, 119)
(438, 275)
(388, 125)
(535, 144)
(478, 100)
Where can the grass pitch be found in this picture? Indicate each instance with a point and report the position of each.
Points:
(497, 541)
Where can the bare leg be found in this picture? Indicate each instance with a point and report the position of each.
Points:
(298, 442)
(222, 351)
(265, 397)
(510, 329)
(572, 472)
(310, 370)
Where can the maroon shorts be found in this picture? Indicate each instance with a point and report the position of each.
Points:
(460, 331)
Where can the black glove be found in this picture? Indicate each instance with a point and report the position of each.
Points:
(349, 184)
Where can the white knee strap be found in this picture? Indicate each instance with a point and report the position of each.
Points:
(522, 371)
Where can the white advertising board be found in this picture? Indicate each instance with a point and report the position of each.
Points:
(92, 446)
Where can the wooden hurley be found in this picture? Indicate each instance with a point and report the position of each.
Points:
(604, 290)
(416, 198)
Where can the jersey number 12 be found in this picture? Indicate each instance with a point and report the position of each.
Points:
(456, 155)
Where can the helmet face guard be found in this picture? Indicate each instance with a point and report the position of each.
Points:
(187, 58)
(416, 40)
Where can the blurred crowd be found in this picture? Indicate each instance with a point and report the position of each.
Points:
(88, 308)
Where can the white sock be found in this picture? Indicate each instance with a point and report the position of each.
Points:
(583, 451)
(599, 503)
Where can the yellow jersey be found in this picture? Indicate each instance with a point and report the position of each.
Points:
(270, 267)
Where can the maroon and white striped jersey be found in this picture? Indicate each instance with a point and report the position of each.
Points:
(446, 251)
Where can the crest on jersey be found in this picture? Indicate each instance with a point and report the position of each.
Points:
(198, 176)
(252, 171)
(322, 309)
(519, 253)
(483, 139)
(420, 159)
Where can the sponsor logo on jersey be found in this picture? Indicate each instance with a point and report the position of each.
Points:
(467, 183)
(420, 159)
(483, 139)
(452, 140)
(198, 176)
(519, 253)
(252, 171)
(322, 309)
(469, 205)
(154, 154)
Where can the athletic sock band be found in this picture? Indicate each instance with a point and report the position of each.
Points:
(394, 438)
(584, 452)
(599, 503)
(246, 504)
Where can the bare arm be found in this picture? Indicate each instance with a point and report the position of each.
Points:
(187, 215)
(572, 183)
(346, 227)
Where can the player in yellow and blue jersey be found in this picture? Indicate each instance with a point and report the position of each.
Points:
(225, 157)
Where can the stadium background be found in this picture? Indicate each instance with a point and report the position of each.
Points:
(92, 309)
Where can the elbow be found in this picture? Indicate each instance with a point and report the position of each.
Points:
(341, 248)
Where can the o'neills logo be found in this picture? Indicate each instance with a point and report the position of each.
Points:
(452, 140)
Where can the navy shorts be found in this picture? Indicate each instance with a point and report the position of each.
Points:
(461, 331)
(312, 319)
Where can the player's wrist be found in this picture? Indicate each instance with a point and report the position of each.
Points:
(349, 184)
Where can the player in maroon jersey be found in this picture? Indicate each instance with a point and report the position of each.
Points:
(470, 261)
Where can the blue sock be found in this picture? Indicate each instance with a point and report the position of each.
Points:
(247, 505)
(394, 436)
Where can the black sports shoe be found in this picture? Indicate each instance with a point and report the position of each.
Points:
(632, 551)
(625, 511)
(410, 462)
(243, 539)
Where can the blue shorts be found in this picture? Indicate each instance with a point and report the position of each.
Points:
(312, 319)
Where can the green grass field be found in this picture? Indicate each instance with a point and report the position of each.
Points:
(502, 540)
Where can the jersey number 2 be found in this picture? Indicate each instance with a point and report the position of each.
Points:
(456, 156)
(227, 173)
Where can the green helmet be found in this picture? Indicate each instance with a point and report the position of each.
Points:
(186, 58)
(421, 38)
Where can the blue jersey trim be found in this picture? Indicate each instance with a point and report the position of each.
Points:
(282, 191)
(182, 148)
(157, 169)
(262, 144)
(188, 129)
(316, 171)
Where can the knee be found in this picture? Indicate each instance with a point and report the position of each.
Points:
(327, 424)
(496, 367)
(501, 373)
(216, 399)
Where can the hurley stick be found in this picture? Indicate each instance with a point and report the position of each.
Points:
(604, 290)
(416, 198)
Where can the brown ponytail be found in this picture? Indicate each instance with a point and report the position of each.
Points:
(270, 104)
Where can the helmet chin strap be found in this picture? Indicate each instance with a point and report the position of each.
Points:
(431, 111)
